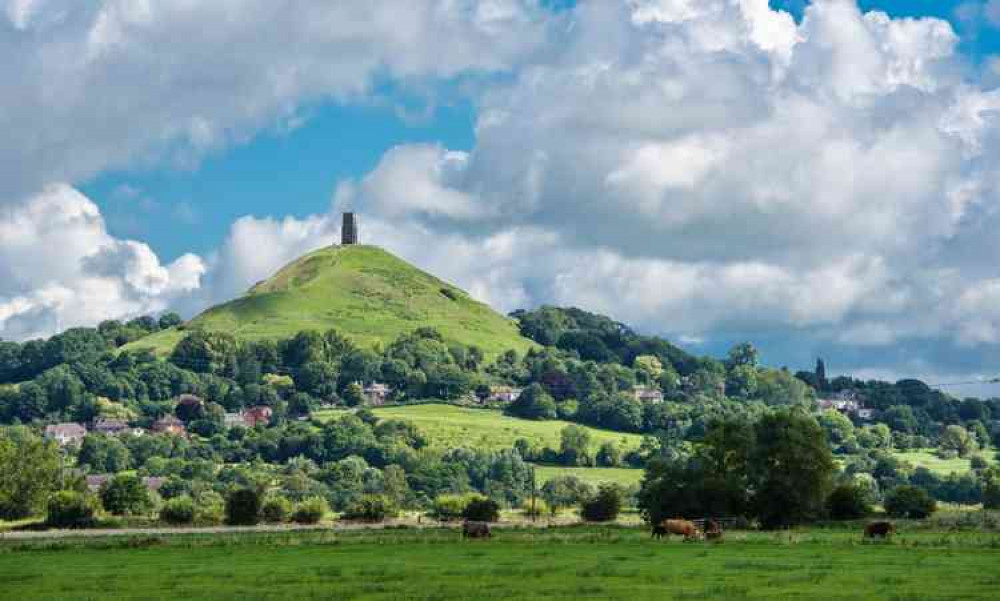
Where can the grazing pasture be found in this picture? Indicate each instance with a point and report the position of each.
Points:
(928, 459)
(566, 563)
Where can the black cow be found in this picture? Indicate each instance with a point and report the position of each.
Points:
(476, 530)
(879, 530)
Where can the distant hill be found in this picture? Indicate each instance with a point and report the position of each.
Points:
(365, 292)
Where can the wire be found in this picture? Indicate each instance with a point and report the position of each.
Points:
(966, 383)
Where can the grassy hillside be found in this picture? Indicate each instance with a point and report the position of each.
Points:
(595, 475)
(448, 427)
(926, 458)
(364, 292)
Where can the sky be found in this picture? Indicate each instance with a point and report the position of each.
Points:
(820, 178)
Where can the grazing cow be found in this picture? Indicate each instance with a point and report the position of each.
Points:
(476, 530)
(879, 530)
(685, 528)
(713, 530)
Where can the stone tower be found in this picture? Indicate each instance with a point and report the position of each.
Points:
(349, 230)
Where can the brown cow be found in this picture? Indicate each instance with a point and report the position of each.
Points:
(879, 530)
(713, 530)
(685, 528)
(476, 530)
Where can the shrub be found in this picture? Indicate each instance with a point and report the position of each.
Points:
(210, 509)
(909, 502)
(541, 508)
(178, 511)
(605, 505)
(371, 508)
(276, 509)
(848, 502)
(978, 462)
(243, 507)
(70, 509)
(126, 495)
(450, 507)
(482, 510)
(310, 511)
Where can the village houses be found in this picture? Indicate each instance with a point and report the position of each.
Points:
(66, 433)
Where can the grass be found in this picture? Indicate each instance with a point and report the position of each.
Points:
(364, 292)
(594, 475)
(567, 563)
(926, 458)
(448, 426)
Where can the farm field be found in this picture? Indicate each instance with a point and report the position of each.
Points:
(926, 458)
(594, 475)
(567, 563)
(448, 426)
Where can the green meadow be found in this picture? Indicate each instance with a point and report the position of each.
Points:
(565, 563)
(926, 458)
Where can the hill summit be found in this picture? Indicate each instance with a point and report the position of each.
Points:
(364, 292)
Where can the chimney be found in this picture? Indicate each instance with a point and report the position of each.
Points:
(349, 230)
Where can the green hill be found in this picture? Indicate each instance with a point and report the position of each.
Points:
(364, 292)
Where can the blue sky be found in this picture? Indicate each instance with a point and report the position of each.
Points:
(823, 192)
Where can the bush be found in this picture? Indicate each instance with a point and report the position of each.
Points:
(243, 507)
(448, 508)
(848, 502)
(126, 495)
(541, 508)
(310, 511)
(482, 510)
(69, 509)
(605, 505)
(978, 462)
(371, 508)
(909, 502)
(210, 509)
(178, 511)
(276, 509)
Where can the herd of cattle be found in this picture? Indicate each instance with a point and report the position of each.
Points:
(690, 530)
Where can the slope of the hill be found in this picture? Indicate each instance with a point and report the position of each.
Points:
(364, 292)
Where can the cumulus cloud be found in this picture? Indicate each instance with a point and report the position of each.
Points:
(59, 268)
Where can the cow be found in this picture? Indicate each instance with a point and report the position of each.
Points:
(682, 527)
(879, 529)
(713, 530)
(476, 530)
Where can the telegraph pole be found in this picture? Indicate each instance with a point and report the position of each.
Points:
(534, 512)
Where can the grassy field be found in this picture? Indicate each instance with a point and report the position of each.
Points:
(567, 563)
(448, 426)
(594, 475)
(364, 292)
(926, 458)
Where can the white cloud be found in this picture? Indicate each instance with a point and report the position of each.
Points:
(59, 268)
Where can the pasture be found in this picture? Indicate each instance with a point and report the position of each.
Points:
(567, 563)
(926, 458)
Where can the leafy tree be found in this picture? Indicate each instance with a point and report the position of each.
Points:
(104, 454)
(839, 431)
(609, 455)
(958, 439)
(534, 403)
(566, 491)
(71, 509)
(243, 507)
(125, 495)
(169, 320)
(848, 502)
(310, 510)
(792, 468)
(371, 508)
(605, 505)
(481, 509)
(178, 511)
(317, 378)
(29, 472)
(276, 509)
(909, 502)
(575, 445)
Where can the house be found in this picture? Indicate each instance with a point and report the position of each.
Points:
(847, 402)
(96, 481)
(110, 426)
(168, 424)
(376, 393)
(504, 394)
(66, 434)
(865, 413)
(647, 394)
(232, 420)
(254, 416)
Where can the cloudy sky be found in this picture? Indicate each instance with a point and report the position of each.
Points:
(822, 178)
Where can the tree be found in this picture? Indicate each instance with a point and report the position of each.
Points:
(125, 495)
(792, 469)
(821, 383)
(103, 454)
(310, 510)
(534, 403)
(848, 502)
(742, 381)
(609, 455)
(839, 430)
(958, 439)
(169, 320)
(481, 509)
(71, 509)
(317, 378)
(371, 508)
(900, 418)
(29, 472)
(243, 507)
(178, 511)
(910, 502)
(605, 505)
(575, 445)
(566, 491)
